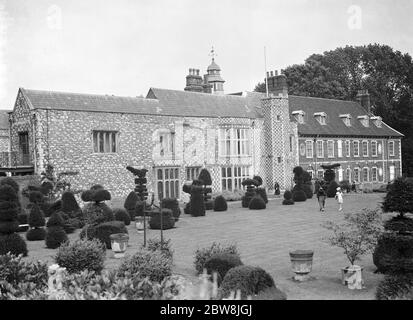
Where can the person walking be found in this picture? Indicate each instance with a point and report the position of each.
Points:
(339, 198)
(321, 196)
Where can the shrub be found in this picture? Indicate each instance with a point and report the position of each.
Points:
(36, 218)
(187, 188)
(8, 227)
(288, 202)
(122, 215)
(299, 196)
(15, 272)
(394, 286)
(12, 243)
(36, 234)
(36, 197)
(399, 197)
(197, 201)
(168, 221)
(205, 177)
(155, 245)
(271, 293)
(172, 204)
(70, 205)
(332, 189)
(95, 213)
(146, 263)
(55, 234)
(263, 193)
(209, 204)
(345, 185)
(101, 195)
(22, 219)
(249, 280)
(81, 255)
(130, 204)
(54, 207)
(288, 195)
(220, 204)
(400, 224)
(394, 253)
(308, 190)
(235, 195)
(202, 255)
(10, 182)
(258, 179)
(257, 203)
(103, 231)
(187, 208)
(221, 263)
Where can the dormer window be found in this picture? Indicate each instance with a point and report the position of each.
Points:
(377, 121)
(299, 116)
(364, 120)
(346, 119)
(321, 117)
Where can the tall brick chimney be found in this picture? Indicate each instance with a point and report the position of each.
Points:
(277, 84)
(194, 81)
(363, 97)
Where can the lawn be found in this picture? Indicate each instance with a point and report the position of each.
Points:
(264, 238)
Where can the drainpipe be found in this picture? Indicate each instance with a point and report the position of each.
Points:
(10, 142)
(34, 142)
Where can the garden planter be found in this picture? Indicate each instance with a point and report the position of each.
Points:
(301, 262)
(140, 223)
(119, 242)
(352, 277)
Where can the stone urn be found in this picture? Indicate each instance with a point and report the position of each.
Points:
(140, 223)
(301, 262)
(352, 277)
(119, 242)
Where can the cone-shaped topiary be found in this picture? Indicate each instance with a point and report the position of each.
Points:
(122, 215)
(9, 224)
(130, 204)
(220, 204)
(168, 220)
(55, 234)
(70, 205)
(36, 222)
(197, 201)
(257, 203)
(172, 204)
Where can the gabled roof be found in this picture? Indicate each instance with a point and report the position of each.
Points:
(186, 103)
(4, 119)
(334, 124)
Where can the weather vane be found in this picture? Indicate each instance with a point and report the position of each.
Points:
(213, 54)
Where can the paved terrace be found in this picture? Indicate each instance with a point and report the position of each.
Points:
(264, 238)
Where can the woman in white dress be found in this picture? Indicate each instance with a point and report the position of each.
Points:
(339, 198)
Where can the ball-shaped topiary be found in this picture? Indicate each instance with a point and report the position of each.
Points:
(122, 215)
(299, 196)
(248, 279)
(55, 234)
(168, 220)
(81, 255)
(222, 263)
(70, 205)
(262, 193)
(258, 179)
(288, 195)
(257, 203)
(220, 204)
(172, 204)
(103, 231)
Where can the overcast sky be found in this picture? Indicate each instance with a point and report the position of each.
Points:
(124, 47)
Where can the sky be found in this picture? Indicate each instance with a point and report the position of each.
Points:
(125, 47)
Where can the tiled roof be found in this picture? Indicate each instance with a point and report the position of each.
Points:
(334, 124)
(186, 103)
(89, 102)
(4, 119)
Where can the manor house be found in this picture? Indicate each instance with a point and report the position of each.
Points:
(174, 134)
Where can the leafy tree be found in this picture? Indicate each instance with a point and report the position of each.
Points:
(399, 197)
(386, 73)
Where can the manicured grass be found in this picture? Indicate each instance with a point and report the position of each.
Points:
(264, 238)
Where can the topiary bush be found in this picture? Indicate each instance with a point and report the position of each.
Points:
(54, 207)
(36, 222)
(172, 204)
(299, 196)
(203, 254)
(257, 203)
(394, 253)
(197, 201)
(249, 280)
(221, 263)
(103, 231)
(206, 180)
(147, 263)
(262, 193)
(187, 208)
(130, 204)
(250, 192)
(288, 198)
(394, 287)
(70, 205)
(10, 241)
(80, 255)
(156, 245)
(308, 191)
(220, 204)
(400, 224)
(168, 220)
(121, 214)
(95, 213)
(332, 189)
(22, 219)
(55, 234)
(10, 182)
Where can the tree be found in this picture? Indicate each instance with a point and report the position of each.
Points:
(387, 75)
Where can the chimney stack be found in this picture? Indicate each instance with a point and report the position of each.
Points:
(363, 97)
(277, 84)
(193, 81)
